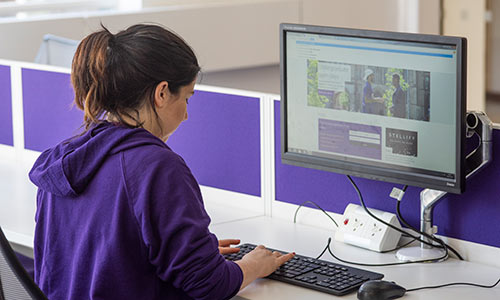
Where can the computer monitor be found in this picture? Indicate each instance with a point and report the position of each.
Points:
(380, 105)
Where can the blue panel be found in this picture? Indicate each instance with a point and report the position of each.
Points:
(472, 216)
(49, 114)
(6, 131)
(221, 141)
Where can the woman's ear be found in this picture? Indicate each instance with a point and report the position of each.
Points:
(162, 93)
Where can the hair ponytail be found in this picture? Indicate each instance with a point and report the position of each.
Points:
(88, 75)
(117, 74)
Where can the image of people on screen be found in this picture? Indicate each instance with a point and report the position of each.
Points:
(384, 91)
(398, 108)
(372, 102)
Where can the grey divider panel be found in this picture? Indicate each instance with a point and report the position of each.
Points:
(221, 141)
(49, 114)
(472, 216)
(6, 133)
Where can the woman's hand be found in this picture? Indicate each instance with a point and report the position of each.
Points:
(261, 262)
(225, 246)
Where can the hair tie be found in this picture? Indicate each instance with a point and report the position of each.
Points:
(111, 40)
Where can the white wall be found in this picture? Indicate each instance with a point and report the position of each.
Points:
(467, 18)
(493, 62)
(227, 34)
(393, 15)
(224, 36)
(381, 15)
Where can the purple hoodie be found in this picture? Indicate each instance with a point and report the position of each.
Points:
(120, 216)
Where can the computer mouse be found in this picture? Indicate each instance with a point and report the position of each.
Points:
(380, 290)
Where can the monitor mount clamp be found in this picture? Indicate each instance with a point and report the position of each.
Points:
(478, 124)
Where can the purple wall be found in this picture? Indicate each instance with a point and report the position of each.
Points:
(6, 134)
(472, 216)
(221, 141)
(49, 114)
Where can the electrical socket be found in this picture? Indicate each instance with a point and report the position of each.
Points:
(360, 229)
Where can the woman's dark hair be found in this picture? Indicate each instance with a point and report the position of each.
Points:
(117, 74)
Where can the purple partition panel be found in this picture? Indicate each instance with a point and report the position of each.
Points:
(221, 141)
(472, 216)
(6, 135)
(49, 114)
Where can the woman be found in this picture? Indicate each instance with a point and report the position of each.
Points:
(119, 214)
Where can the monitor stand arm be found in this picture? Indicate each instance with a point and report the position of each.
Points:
(477, 123)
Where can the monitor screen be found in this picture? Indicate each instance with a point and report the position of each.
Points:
(381, 105)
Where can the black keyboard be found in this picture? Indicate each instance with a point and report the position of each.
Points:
(316, 274)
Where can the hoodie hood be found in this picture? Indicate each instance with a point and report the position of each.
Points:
(67, 169)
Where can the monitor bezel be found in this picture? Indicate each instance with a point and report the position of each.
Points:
(366, 171)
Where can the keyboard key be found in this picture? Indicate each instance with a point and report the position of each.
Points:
(294, 273)
(323, 284)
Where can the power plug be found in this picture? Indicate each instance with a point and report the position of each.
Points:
(360, 229)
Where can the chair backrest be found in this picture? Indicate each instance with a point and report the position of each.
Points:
(56, 51)
(15, 282)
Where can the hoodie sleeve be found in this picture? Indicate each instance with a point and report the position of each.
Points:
(167, 203)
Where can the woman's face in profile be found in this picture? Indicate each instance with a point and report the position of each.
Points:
(174, 112)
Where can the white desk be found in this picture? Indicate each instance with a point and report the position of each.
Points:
(310, 241)
(230, 222)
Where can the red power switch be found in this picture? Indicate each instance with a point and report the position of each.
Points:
(346, 221)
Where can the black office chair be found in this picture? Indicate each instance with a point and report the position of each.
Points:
(15, 282)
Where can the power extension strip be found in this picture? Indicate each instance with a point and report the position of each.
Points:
(360, 229)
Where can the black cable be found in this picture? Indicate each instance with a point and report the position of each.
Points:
(443, 245)
(404, 263)
(333, 220)
(324, 211)
(455, 283)
(403, 220)
(386, 264)
(400, 217)
(330, 239)
(404, 234)
(399, 201)
(478, 145)
(324, 250)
